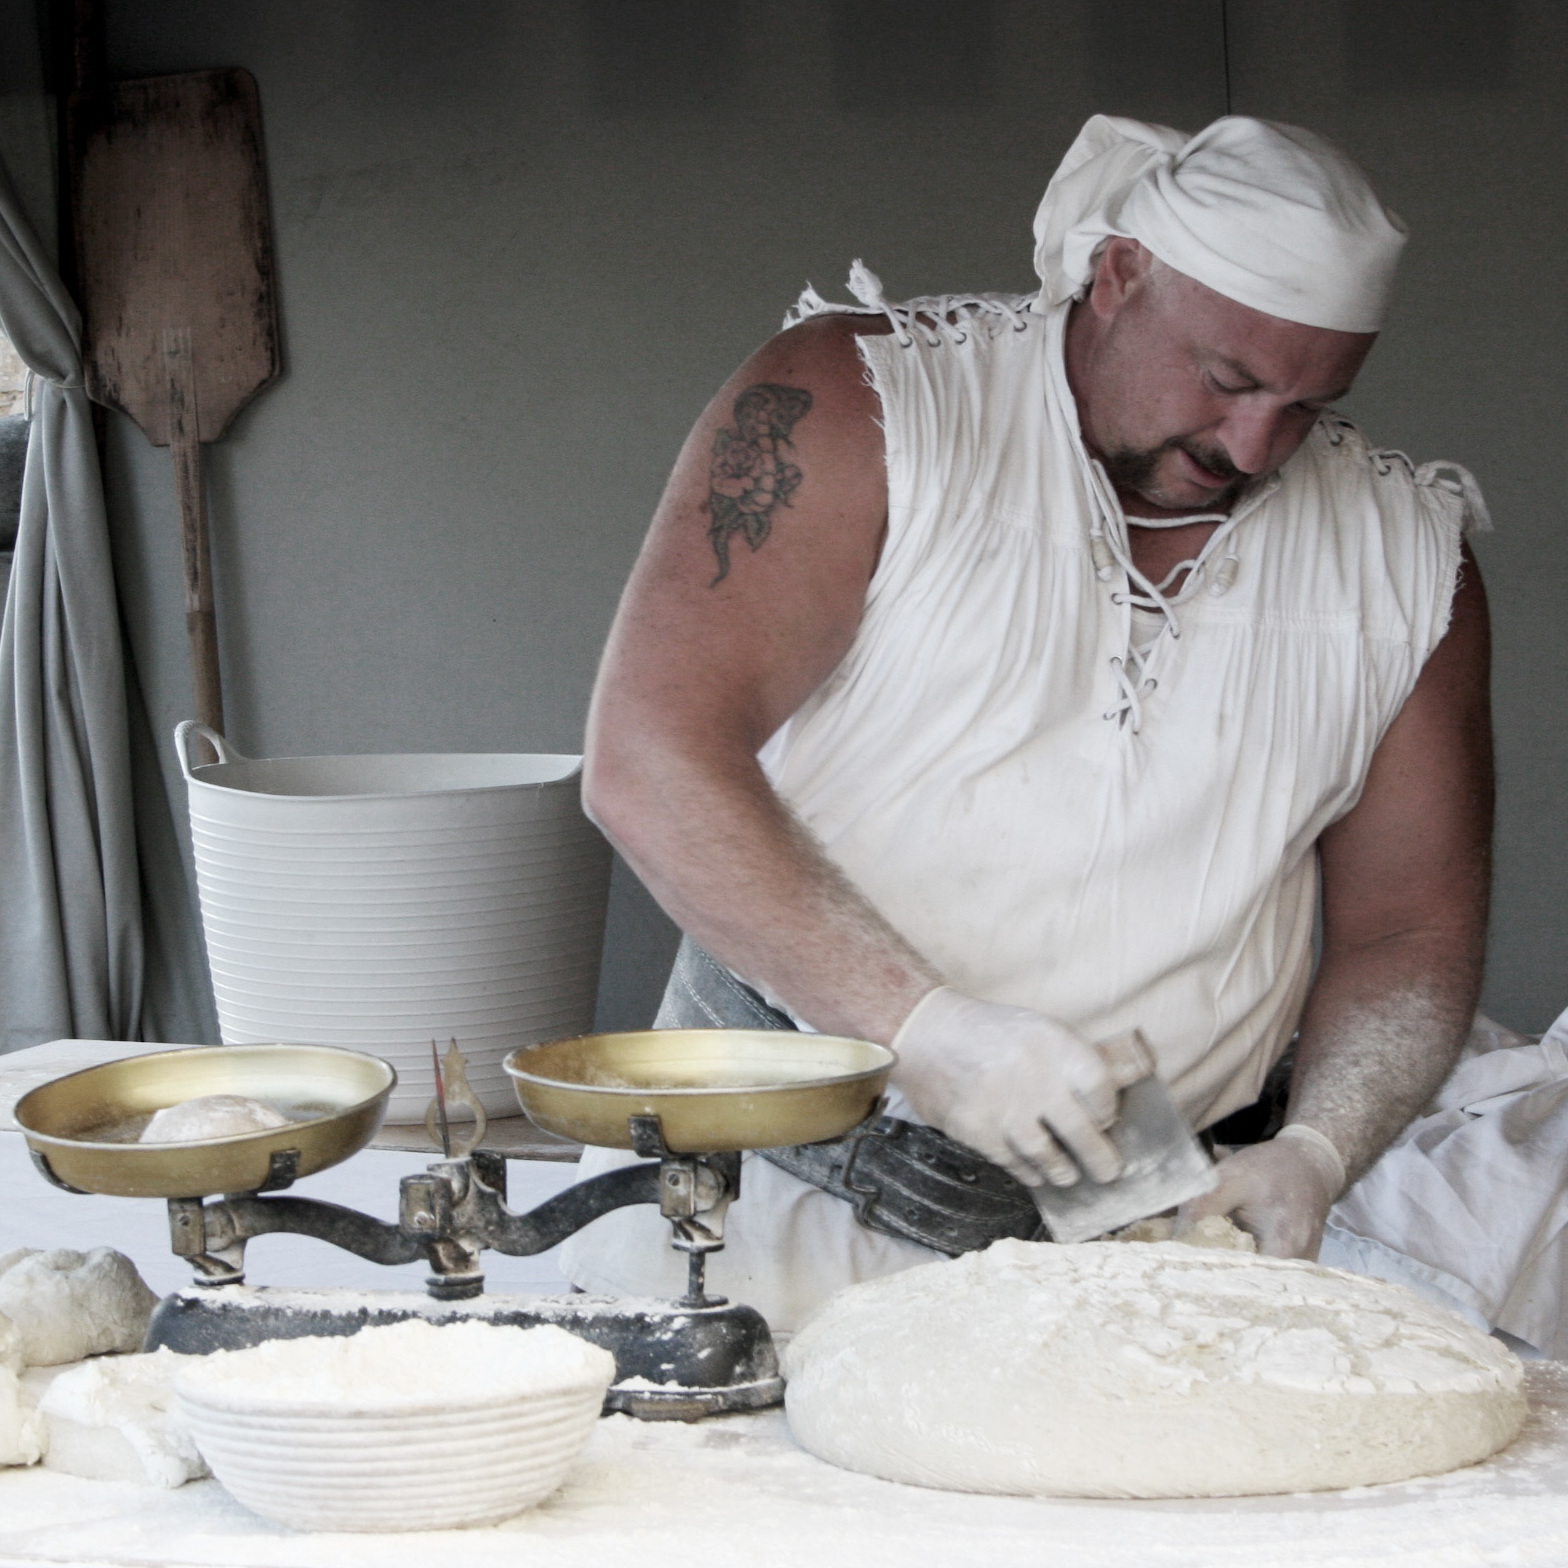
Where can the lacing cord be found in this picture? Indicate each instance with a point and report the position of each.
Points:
(1132, 669)
(1108, 551)
(1335, 426)
(1454, 478)
(937, 318)
(1458, 480)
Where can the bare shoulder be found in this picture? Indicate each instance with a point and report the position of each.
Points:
(832, 337)
(820, 356)
(752, 581)
(790, 448)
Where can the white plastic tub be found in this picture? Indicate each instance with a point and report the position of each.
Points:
(383, 902)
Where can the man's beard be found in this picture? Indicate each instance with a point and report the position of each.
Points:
(1133, 470)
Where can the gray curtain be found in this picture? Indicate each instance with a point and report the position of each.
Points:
(71, 941)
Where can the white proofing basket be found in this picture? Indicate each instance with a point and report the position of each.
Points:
(402, 1426)
(382, 902)
(421, 1470)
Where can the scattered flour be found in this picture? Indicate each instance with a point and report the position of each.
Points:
(1105, 1370)
(211, 1116)
(1213, 1230)
(113, 1419)
(68, 1305)
(398, 1367)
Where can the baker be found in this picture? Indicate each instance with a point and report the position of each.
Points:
(1002, 673)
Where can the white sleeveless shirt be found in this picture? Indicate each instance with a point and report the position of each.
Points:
(1050, 824)
(1110, 845)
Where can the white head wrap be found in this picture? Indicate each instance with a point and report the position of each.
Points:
(1268, 215)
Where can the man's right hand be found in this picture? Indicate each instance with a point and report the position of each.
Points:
(1014, 1085)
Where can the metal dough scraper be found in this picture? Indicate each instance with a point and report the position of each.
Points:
(1163, 1164)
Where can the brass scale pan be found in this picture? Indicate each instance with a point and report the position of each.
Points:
(713, 1090)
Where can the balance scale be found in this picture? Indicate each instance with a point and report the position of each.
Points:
(689, 1099)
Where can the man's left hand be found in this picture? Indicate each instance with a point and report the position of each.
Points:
(1280, 1191)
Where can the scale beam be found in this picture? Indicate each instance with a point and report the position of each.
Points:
(452, 1212)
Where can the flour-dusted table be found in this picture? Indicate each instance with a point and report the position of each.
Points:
(737, 1491)
(733, 1491)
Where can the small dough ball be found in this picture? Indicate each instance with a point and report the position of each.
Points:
(68, 1305)
(211, 1116)
(1213, 1230)
(1158, 1227)
(1217, 1230)
(21, 1426)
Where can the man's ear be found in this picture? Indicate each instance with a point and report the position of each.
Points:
(1121, 271)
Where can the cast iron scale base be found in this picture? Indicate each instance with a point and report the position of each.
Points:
(675, 1360)
(655, 1092)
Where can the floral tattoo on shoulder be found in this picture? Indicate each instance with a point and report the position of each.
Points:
(751, 475)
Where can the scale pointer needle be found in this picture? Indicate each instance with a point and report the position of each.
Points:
(446, 1129)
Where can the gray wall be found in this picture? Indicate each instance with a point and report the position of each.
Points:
(520, 243)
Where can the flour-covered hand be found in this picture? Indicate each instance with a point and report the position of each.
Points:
(1280, 1191)
(1012, 1084)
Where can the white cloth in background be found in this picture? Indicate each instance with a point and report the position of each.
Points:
(1469, 1206)
(1272, 216)
(71, 938)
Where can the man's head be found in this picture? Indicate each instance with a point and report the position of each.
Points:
(1230, 284)
(1183, 393)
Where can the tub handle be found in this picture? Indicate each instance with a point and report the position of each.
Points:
(182, 745)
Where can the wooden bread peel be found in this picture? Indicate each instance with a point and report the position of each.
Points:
(174, 264)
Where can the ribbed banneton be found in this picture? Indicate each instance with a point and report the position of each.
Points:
(413, 1426)
(382, 902)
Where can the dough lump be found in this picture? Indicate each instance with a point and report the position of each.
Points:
(22, 1438)
(66, 1305)
(1156, 1370)
(114, 1419)
(1213, 1230)
(211, 1116)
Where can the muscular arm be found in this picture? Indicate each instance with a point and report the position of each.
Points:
(747, 594)
(1405, 882)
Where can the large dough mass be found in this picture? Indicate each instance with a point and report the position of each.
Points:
(1153, 1370)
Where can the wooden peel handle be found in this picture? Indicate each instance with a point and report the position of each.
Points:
(201, 623)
